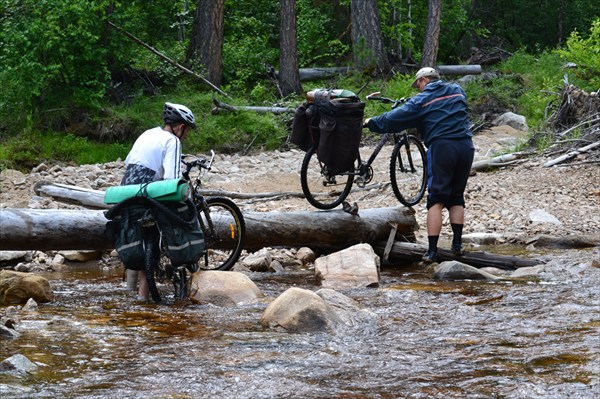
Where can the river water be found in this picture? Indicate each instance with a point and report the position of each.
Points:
(426, 339)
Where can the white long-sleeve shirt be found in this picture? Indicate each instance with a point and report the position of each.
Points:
(159, 150)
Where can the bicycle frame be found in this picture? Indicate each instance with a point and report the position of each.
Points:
(382, 141)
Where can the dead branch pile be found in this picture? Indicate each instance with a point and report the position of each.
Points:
(575, 124)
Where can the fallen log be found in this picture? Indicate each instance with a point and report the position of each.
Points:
(499, 161)
(94, 199)
(324, 231)
(325, 72)
(407, 251)
(571, 154)
(71, 194)
(235, 108)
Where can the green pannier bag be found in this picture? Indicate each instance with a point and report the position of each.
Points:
(161, 190)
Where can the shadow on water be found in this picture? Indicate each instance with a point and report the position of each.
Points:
(426, 339)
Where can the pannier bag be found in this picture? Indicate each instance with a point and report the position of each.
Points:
(125, 229)
(161, 190)
(305, 126)
(182, 234)
(177, 222)
(340, 129)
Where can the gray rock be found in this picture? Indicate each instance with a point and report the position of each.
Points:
(453, 270)
(347, 309)
(528, 272)
(354, 267)
(7, 256)
(18, 363)
(258, 261)
(513, 120)
(223, 288)
(300, 310)
(541, 216)
(8, 333)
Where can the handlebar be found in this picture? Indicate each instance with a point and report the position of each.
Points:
(375, 97)
(201, 163)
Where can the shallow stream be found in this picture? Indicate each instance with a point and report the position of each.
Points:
(427, 339)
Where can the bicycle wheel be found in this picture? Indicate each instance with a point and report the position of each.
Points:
(151, 260)
(408, 170)
(322, 189)
(224, 233)
(167, 284)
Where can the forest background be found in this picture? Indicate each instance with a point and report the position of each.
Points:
(75, 87)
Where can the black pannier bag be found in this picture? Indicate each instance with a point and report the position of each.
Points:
(181, 233)
(178, 224)
(340, 127)
(125, 229)
(305, 127)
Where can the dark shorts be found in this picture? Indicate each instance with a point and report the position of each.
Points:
(137, 174)
(449, 165)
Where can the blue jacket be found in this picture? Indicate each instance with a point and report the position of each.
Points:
(440, 111)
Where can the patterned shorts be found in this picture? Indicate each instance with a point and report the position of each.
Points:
(137, 174)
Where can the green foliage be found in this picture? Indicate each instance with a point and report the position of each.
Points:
(28, 150)
(585, 53)
(50, 53)
(316, 28)
(250, 41)
(520, 24)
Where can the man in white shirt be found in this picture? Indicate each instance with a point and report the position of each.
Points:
(156, 155)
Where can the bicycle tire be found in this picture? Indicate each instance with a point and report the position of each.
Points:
(151, 260)
(408, 171)
(225, 239)
(166, 284)
(320, 189)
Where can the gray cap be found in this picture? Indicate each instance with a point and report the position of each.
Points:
(425, 72)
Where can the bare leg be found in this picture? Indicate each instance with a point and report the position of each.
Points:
(457, 214)
(434, 220)
(132, 279)
(434, 227)
(143, 290)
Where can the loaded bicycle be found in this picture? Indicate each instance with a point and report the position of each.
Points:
(326, 188)
(170, 239)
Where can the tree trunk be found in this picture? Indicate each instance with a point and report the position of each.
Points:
(51, 229)
(289, 76)
(206, 42)
(367, 43)
(432, 34)
(409, 56)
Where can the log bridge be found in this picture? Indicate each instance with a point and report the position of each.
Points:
(391, 231)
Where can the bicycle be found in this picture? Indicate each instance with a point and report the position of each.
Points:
(221, 221)
(220, 218)
(326, 189)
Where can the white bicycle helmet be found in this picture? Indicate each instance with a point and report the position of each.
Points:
(178, 113)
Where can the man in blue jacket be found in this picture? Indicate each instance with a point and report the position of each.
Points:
(440, 114)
